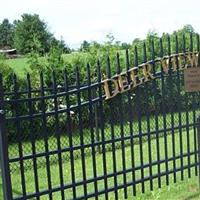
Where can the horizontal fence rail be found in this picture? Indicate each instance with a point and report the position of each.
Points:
(66, 141)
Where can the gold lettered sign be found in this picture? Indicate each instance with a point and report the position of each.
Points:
(143, 73)
(192, 79)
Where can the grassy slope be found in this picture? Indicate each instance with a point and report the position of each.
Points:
(20, 65)
(52, 141)
(76, 140)
(179, 191)
(188, 189)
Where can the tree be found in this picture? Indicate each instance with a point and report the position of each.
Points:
(110, 38)
(186, 31)
(85, 46)
(60, 44)
(188, 28)
(6, 34)
(31, 34)
(6, 72)
(125, 45)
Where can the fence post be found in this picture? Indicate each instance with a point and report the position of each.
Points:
(198, 139)
(4, 159)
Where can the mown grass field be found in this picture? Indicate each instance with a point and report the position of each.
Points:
(187, 189)
(52, 140)
(21, 65)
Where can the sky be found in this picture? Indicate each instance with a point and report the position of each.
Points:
(78, 20)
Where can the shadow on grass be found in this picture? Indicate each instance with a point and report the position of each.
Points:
(193, 196)
(15, 192)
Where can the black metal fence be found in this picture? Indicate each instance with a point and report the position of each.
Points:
(67, 142)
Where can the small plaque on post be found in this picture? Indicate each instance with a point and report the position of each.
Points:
(192, 79)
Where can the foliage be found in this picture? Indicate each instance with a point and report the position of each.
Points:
(85, 46)
(6, 34)
(31, 34)
(59, 44)
(6, 72)
(36, 66)
(54, 62)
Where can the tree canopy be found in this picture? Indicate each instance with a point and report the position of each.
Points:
(6, 34)
(31, 34)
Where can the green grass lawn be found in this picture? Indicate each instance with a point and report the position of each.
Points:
(180, 190)
(52, 141)
(187, 189)
(21, 66)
